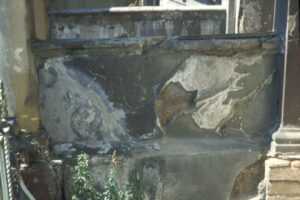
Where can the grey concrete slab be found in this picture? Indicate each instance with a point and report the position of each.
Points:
(177, 87)
(135, 22)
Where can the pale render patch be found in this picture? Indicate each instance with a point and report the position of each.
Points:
(210, 73)
(113, 119)
(20, 64)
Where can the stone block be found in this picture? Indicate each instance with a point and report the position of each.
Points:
(279, 197)
(284, 174)
(275, 162)
(135, 22)
(284, 188)
(295, 164)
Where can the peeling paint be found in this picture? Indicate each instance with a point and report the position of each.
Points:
(20, 64)
(214, 79)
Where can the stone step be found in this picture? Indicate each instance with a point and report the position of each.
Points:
(144, 21)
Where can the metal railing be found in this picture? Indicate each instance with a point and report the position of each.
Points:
(5, 154)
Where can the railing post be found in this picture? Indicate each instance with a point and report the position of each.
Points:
(283, 166)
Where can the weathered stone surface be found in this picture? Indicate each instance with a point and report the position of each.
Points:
(96, 97)
(284, 188)
(133, 22)
(183, 169)
(173, 101)
(81, 113)
(109, 97)
(226, 98)
(17, 64)
(284, 174)
(249, 182)
(279, 197)
(256, 16)
(295, 164)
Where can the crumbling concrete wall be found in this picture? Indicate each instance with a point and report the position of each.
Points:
(175, 173)
(189, 111)
(215, 102)
(178, 93)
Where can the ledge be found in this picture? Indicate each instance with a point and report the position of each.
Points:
(216, 45)
(286, 141)
(81, 11)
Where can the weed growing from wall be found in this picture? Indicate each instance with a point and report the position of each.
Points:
(82, 187)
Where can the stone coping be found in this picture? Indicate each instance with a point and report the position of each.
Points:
(135, 9)
(157, 147)
(214, 45)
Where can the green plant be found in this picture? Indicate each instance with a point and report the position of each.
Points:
(111, 191)
(134, 190)
(83, 188)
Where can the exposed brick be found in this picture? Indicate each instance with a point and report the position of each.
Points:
(275, 162)
(284, 174)
(295, 164)
(290, 188)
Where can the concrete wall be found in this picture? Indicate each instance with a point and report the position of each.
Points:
(133, 22)
(194, 113)
(199, 112)
(132, 86)
(17, 63)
